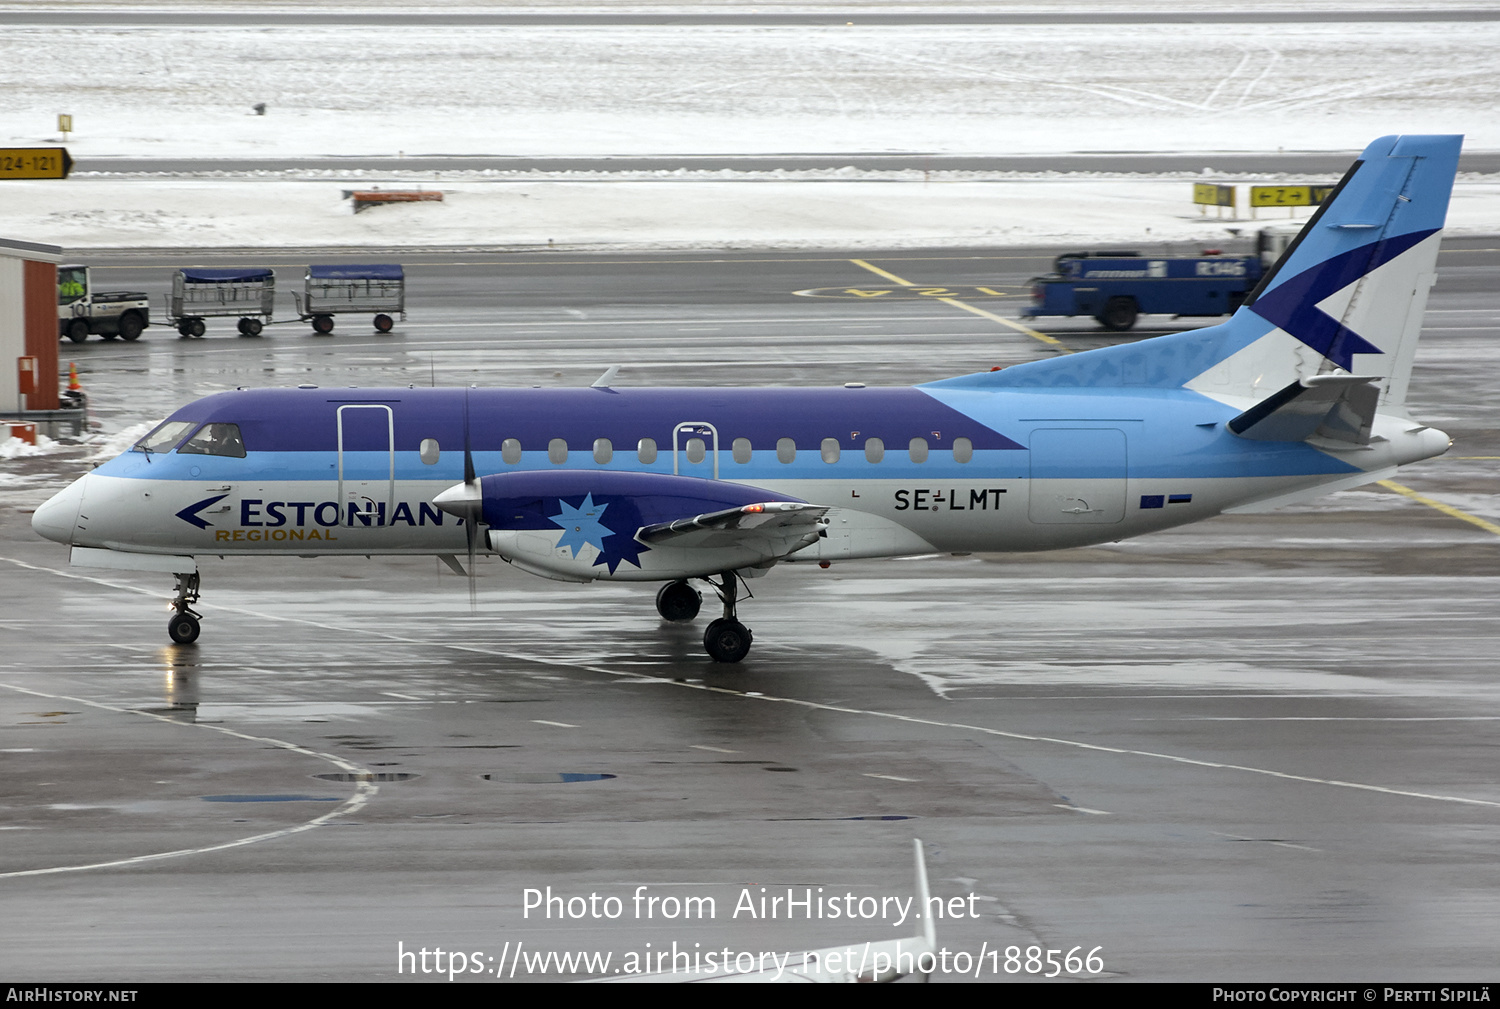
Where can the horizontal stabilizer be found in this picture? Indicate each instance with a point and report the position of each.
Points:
(1336, 407)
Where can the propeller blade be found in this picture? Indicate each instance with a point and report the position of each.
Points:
(466, 501)
(471, 532)
(468, 450)
(475, 500)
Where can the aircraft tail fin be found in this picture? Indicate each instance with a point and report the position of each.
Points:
(1348, 295)
(1346, 298)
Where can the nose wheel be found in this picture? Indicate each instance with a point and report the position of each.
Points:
(183, 628)
(727, 640)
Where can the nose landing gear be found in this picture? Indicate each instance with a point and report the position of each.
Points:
(183, 627)
(727, 640)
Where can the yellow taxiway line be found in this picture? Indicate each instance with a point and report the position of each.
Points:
(1050, 341)
(1446, 509)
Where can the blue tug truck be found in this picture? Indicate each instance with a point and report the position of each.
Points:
(1116, 288)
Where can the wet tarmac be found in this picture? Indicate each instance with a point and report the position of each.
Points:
(1261, 748)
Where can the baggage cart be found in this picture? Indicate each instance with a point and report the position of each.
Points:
(339, 290)
(199, 294)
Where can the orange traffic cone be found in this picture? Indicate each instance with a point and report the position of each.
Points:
(73, 385)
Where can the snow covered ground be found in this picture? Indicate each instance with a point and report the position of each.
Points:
(692, 210)
(172, 91)
(597, 90)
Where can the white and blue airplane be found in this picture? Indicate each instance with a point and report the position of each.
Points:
(1301, 392)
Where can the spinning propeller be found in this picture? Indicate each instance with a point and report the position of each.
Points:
(466, 500)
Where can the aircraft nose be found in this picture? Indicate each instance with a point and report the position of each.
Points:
(57, 518)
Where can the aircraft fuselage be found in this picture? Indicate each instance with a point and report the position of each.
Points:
(904, 470)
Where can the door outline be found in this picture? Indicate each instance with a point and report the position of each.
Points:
(346, 515)
(1072, 500)
(692, 427)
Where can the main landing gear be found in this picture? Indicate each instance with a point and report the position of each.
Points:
(726, 640)
(183, 627)
(678, 602)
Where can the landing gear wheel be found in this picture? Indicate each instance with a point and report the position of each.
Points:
(1119, 314)
(323, 323)
(383, 323)
(131, 326)
(250, 327)
(727, 640)
(196, 327)
(678, 602)
(183, 628)
(78, 330)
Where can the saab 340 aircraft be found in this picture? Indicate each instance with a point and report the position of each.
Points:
(1301, 392)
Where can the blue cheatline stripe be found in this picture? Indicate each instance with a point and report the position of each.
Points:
(306, 419)
(1196, 453)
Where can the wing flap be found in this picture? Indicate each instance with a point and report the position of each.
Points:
(776, 527)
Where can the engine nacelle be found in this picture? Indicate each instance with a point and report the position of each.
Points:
(582, 525)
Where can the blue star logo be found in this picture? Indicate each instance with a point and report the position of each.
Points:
(583, 526)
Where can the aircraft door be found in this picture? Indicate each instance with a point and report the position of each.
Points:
(366, 464)
(1077, 476)
(695, 449)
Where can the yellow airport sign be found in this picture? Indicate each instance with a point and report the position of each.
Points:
(1288, 196)
(1207, 194)
(35, 163)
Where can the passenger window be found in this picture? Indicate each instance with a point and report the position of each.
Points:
(510, 451)
(646, 451)
(428, 450)
(741, 449)
(963, 450)
(696, 450)
(557, 451)
(604, 450)
(918, 449)
(874, 450)
(786, 450)
(830, 450)
(215, 439)
(165, 436)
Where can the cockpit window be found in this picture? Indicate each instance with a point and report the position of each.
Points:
(164, 436)
(215, 439)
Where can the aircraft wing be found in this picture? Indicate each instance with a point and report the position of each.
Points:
(576, 525)
(780, 526)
